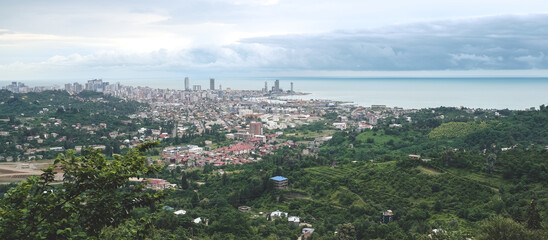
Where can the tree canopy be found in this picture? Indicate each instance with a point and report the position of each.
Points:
(94, 194)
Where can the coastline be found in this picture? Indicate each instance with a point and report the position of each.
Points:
(409, 93)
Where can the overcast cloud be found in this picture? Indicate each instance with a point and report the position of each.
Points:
(56, 39)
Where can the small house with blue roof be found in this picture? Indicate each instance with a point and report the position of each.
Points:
(280, 182)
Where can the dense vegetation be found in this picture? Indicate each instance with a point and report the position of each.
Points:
(94, 195)
(85, 108)
(466, 189)
(58, 112)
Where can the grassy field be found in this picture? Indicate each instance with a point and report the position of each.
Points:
(493, 181)
(312, 134)
(429, 171)
(19, 171)
(309, 134)
(379, 137)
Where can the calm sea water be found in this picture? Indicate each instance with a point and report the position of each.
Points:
(512, 93)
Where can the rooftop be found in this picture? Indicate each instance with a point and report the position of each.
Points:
(278, 178)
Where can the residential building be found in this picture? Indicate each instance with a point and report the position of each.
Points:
(373, 120)
(340, 125)
(277, 214)
(414, 156)
(307, 232)
(157, 184)
(387, 216)
(280, 182)
(294, 220)
(256, 128)
(180, 212)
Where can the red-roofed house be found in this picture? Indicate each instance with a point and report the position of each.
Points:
(157, 184)
(240, 149)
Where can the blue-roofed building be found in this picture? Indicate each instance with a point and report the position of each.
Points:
(280, 182)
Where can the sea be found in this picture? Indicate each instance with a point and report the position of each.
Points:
(486, 93)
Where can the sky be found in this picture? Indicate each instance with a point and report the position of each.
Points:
(63, 39)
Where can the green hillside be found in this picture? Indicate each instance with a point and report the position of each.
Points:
(456, 129)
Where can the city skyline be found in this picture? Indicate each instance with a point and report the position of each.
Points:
(223, 38)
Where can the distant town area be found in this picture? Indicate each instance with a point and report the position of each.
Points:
(197, 127)
(233, 126)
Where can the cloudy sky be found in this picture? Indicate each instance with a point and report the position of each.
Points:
(64, 39)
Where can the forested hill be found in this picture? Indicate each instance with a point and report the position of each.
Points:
(477, 129)
(42, 120)
(430, 131)
(56, 103)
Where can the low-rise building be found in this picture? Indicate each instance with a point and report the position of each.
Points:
(280, 182)
(277, 214)
(157, 184)
(387, 216)
(307, 232)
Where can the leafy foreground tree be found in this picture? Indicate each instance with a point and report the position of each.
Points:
(533, 216)
(500, 228)
(346, 231)
(95, 194)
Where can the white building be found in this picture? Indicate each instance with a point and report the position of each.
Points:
(340, 125)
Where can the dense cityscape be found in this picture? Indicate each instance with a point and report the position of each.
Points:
(252, 120)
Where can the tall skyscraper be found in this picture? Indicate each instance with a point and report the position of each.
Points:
(212, 84)
(68, 87)
(291, 86)
(256, 128)
(187, 84)
(265, 86)
(277, 85)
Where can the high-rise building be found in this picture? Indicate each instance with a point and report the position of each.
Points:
(16, 87)
(96, 85)
(212, 84)
(291, 86)
(265, 86)
(197, 87)
(68, 87)
(78, 87)
(277, 85)
(256, 128)
(187, 84)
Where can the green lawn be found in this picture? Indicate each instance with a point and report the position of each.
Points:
(429, 171)
(493, 180)
(379, 137)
